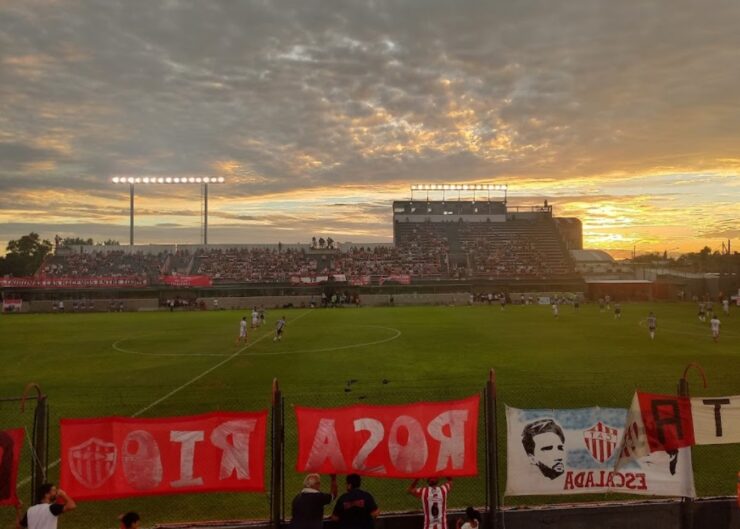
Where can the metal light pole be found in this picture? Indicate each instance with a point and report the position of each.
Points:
(205, 214)
(205, 180)
(131, 229)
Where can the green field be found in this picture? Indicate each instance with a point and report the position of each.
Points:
(163, 364)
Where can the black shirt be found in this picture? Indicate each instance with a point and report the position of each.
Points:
(353, 509)
(308, 510)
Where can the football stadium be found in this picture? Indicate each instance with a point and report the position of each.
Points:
(369, 264)
(132, 363)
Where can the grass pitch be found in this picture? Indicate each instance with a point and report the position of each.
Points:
(182, 363)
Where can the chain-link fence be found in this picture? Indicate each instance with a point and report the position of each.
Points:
(27, 412)
(714, 466)
(390, 494)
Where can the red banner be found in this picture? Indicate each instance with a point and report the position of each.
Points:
(11, 443)
(668, 422)
(187, 281)
(403, 279)
(414, 440)
(74, 282)
(115, 457)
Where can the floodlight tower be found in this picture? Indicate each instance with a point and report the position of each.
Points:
(202, 181)
(459, 188)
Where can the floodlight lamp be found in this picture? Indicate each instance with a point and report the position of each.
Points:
(130, 179)
(160, 180)
(465, 187)
(145, 179)
(168, 180)
(115, 179)
(199, 180)
(206, 179)
(221, 180)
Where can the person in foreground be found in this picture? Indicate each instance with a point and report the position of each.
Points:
(308, 505)
(46, 513)
(356, 508)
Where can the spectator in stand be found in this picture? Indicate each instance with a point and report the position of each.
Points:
(308, 506)
(356, 508)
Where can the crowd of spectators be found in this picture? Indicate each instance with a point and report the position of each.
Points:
(423, 251)
(103, 264)
(254, 265)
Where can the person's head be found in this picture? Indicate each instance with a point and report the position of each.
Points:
(244, 318)
(47, 492)
(544, 443)
(432, 482)
(472, 514)
(312, 481)
(130, 520)
(354, 481)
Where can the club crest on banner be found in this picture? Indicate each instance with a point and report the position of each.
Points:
(601, 441)
(93, 462)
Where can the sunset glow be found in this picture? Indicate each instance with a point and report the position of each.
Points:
(318, 118)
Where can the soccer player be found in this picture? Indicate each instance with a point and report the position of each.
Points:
(279, 329)
(242, 331)
(715, 323)
(45, 514)
(617, 311)
(255, 318)
(433, 501)
(601, 304)
(651, 321)
(726, 306)
(702, 312)
(555, 309)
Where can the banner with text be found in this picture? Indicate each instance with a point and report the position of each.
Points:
(114, 457)
(401, 279)
(412, 440)
(74, 282)
(11, 443)
(574, 451)
(668, 422)
(187, 281)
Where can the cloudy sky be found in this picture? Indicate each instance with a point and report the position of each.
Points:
(320, 112)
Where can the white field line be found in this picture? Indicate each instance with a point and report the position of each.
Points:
(183, 386)
(396, 334)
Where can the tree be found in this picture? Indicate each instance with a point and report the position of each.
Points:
(111, 242)
(25, 255)
(76, 241)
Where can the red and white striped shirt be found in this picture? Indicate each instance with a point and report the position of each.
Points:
(434, 502)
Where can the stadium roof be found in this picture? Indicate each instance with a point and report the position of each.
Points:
(591, 256)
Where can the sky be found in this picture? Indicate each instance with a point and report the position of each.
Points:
(319, 113)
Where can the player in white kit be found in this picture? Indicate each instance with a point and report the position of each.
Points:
(242, 331)
(715, 323)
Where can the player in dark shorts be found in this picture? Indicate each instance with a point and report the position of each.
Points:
(279, 326)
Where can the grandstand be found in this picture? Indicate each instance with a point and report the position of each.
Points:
(485, 239)
(438, 246)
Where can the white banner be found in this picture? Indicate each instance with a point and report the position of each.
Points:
(575, 452)
(716, 420)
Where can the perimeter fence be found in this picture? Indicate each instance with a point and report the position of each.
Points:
(593, 387)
